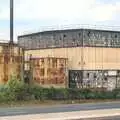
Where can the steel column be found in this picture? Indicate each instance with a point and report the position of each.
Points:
(11, 21)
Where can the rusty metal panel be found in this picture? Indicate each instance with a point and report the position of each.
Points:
(10, 62)
(50, 71)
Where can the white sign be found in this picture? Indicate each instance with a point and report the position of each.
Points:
(112, 73)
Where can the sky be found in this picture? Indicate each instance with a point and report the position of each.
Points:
(36, 15)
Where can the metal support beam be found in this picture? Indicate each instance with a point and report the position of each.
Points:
(11, 21)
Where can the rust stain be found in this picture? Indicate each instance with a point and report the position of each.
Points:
(10, 62)
(51, 71)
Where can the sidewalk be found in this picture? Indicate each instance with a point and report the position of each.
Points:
(67, 115)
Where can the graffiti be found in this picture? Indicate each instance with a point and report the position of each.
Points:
(94, 79)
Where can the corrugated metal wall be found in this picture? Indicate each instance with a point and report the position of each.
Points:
(11, 62)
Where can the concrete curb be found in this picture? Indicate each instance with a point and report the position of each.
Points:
(66, 115)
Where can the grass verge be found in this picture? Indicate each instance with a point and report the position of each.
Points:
(37, 103)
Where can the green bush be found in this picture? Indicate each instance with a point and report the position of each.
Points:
(116, 93)
(36, 92)
(16, 90)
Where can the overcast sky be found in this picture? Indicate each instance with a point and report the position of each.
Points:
(34, 15)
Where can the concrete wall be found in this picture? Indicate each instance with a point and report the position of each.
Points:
(87, 58)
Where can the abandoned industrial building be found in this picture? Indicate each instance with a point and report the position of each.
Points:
(11, 61)
(11, 56)
(82, 58)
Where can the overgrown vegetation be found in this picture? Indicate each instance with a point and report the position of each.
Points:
(16, 90)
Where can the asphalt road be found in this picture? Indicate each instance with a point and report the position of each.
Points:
(104, 118)
(57, 108)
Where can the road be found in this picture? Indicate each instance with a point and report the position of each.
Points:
(57, 108)
(104, 118)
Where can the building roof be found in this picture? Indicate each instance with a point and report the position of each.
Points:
(66, 30)
(6, 43)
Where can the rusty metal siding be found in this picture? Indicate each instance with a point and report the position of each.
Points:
(10, 62)
(50, 71)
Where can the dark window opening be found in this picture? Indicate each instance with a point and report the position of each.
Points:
(88, 34)
(88, 74)
(118, 71)
(79, 34)
(115, 36)
(95, 76)
(60, 38)
(64, 35)
(105, 78)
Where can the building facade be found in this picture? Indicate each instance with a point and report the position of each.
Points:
(70, 38)
(93, 55)
(50, 71)
(11, 62)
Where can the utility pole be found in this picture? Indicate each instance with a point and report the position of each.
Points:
(11, 46)
(11, 22)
